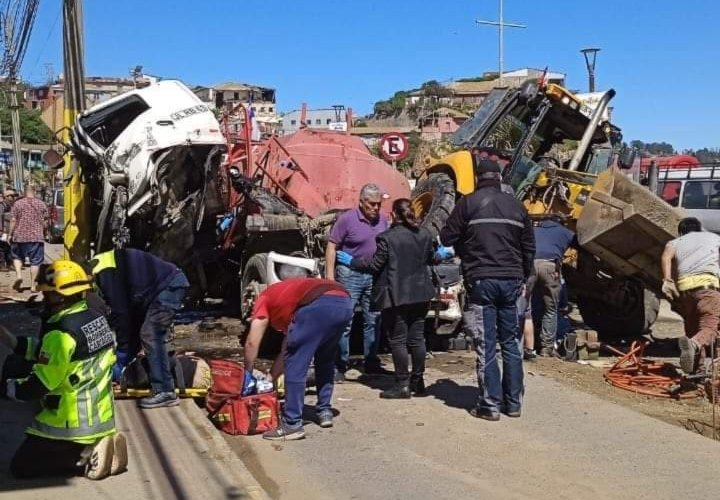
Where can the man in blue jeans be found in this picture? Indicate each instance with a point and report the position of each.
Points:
(494, 238)
(312, 314)
(143, 292)
(354, 233)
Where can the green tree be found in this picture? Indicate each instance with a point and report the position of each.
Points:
(32, 129)
(707, 155)
(653, 148)
(433, 88)
(414, 141)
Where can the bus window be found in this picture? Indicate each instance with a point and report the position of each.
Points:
(714, 198)
(695, 195)
(670, 192)
(701, 195)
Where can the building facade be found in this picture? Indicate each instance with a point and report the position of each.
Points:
(334, 118)
(469, 93)
(225, 97)
(97, 89)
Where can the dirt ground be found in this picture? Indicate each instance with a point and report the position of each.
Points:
(211, 334)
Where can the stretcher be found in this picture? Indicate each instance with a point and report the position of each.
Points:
(129, 393)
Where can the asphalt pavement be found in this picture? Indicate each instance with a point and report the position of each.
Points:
(567, 445)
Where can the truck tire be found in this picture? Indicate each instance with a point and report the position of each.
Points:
(631, 319)
(254, 278)
(433, 199)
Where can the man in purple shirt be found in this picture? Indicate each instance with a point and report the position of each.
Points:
(354, 232)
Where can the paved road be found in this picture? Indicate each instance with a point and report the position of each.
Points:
(567, 445)
(173, 453)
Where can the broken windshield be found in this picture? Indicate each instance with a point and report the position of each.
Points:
(469, 131)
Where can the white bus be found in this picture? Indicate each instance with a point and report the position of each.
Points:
(696, 189)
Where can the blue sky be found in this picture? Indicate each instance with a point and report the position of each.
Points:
(661, 56)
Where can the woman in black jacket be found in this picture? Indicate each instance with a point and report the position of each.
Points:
(402, 290)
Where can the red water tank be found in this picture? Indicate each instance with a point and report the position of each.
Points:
(676, 161)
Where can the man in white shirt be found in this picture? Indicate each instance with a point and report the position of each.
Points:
(695, 294)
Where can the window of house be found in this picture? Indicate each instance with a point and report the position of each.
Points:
(670, 192)
(318, 121)
(328, 121)
(293, 122)
(309, 122)
(236, 95)
(270, 109)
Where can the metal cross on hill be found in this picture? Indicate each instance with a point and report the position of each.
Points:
(501, 25)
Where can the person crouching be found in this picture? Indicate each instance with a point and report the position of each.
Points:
(74, 433)
(312, 314)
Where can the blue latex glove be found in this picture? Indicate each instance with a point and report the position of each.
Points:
(122, 360)
(443, 253)
(249, 384)
(226, 223)
(344, 258)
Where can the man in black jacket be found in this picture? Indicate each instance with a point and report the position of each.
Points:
(494, 238)
(143, 292)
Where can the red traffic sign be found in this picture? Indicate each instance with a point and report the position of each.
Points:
(394, 146)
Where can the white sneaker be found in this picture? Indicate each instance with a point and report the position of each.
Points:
(100, 460)
(120, 454)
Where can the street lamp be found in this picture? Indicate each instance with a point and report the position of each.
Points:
(501, 24)
(590, 56)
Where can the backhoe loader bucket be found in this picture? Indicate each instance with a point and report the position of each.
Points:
(627, 227)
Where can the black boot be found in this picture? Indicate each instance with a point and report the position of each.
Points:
(417, 386)
(401, 390)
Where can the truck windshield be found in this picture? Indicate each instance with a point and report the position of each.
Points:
(469, 131)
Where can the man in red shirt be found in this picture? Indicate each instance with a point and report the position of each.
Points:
(312, 314)
(28, 220)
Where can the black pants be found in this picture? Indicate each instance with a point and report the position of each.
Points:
(404, 327)
(40, 457)
(5, 257)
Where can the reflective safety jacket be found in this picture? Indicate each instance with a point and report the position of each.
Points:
(74, 370)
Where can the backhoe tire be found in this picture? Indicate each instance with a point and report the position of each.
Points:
(631, 319)
(440, 188)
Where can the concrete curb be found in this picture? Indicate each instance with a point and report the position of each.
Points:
(220, 451)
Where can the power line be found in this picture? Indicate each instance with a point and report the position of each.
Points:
(51, 32)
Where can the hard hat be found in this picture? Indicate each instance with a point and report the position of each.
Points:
(64, 277)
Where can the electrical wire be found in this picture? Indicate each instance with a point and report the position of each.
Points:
(18, 19)
(51, 32)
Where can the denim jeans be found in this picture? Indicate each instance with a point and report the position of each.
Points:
(492, 317)
(154, 332)
(314, 332)
(359, 285)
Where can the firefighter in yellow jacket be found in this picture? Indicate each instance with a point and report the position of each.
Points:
(74, 433)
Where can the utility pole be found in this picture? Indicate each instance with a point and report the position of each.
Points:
(590, 56)
(77, 223)
(136, 73)
(17, 149)
(18, 171)
(501, 25)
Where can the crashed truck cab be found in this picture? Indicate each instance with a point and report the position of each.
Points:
(148, 158)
